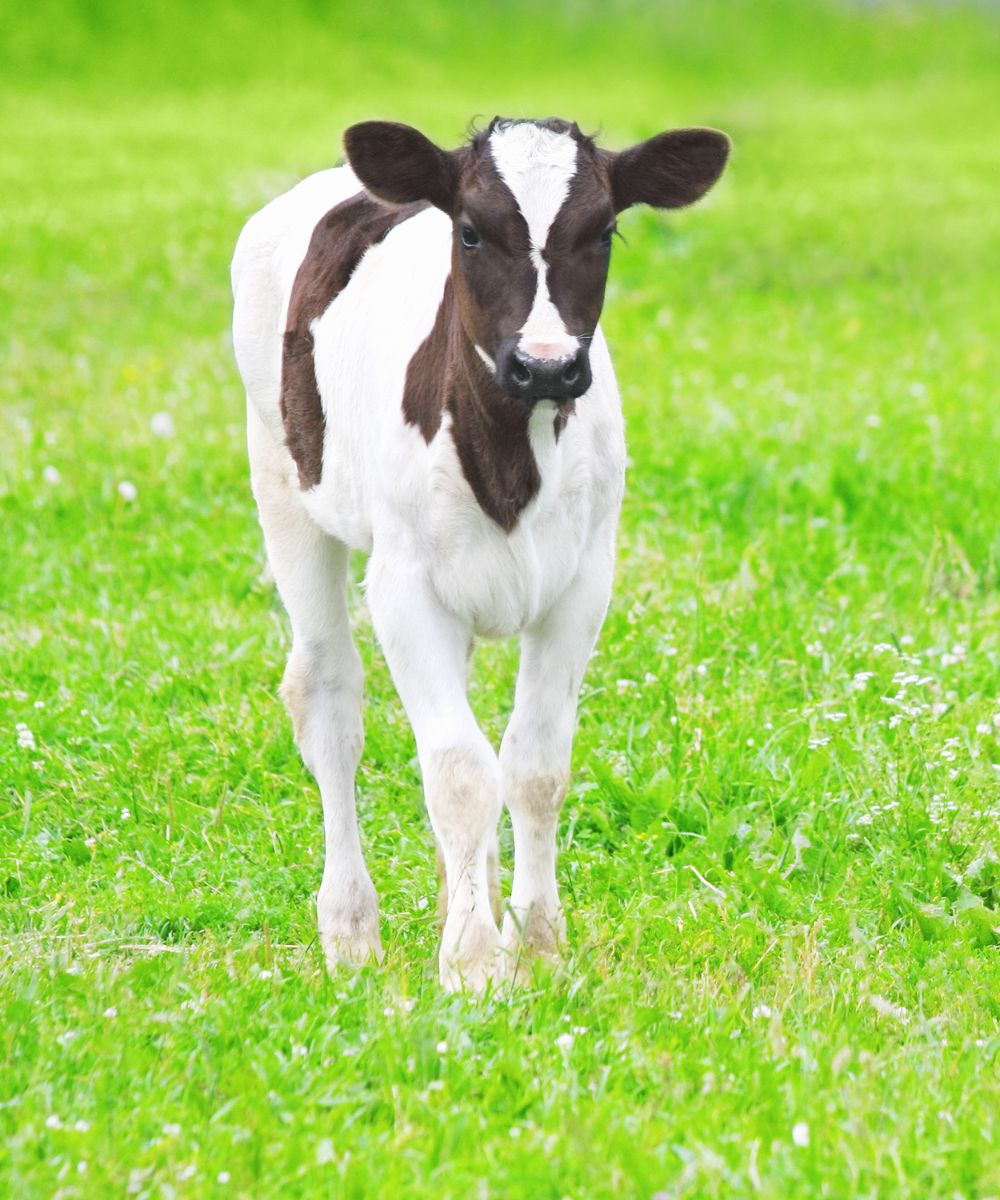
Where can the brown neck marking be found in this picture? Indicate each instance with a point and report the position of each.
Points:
(489, 427)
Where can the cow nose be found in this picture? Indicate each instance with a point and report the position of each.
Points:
(545, 378)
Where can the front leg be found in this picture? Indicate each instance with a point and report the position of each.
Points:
(536, 749)
(427, 651)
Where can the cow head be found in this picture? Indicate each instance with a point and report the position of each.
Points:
(533, 207)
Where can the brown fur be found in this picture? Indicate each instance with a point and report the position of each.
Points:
(490, 428)
(337, 245)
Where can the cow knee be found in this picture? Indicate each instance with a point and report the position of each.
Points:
(462, 783)
(323, 698)
(294, 691)
(535, 800)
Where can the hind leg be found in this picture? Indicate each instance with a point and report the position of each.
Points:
(322, 688)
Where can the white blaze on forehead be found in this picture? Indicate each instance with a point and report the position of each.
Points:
(538, 165)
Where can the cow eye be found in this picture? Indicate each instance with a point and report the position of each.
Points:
(604, 241)
(470, 239)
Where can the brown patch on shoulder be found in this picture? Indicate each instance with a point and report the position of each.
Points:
(338, 243)
(489, 428)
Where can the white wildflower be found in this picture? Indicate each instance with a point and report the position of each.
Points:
(222, 1177)
(564, 1041)
(52, 476)
(127, 490)
(162, 425)
(52, 1121)
(800, 1133)
(441, 1047)
(886, 1008)
(25, 738)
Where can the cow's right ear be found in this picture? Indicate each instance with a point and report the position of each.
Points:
(396, 163)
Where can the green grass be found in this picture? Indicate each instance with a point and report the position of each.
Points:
(779, 855)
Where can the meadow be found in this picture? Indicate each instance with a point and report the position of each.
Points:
(780, 850)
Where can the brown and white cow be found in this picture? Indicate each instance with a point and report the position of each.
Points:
(427, 382)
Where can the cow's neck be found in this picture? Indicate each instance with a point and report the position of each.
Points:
(491, 429)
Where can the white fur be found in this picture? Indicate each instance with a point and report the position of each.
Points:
(440, 573)
(538, 165)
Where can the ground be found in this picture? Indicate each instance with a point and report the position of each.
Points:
(779, 854)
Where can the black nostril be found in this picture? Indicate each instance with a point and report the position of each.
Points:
(572, 372)
(519, 372)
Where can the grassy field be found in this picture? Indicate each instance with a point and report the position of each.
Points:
(780, 851)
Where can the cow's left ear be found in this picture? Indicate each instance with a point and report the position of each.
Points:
(668, 171)
(396, 163)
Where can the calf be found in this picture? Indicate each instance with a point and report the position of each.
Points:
(427, 382)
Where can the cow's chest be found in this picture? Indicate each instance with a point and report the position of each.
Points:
(499, 581)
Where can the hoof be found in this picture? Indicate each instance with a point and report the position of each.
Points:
(470, 957)
(348, 925)
(352, 952)
(529, 934)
